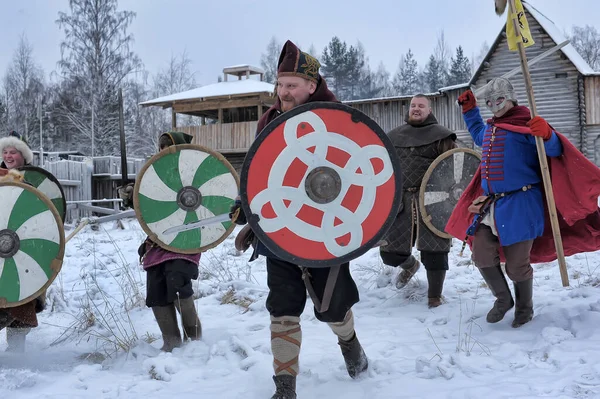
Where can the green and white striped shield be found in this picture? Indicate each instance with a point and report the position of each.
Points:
(32, 243)
(183, 184)
(48, 185)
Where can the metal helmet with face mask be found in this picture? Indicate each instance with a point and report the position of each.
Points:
(497, 92)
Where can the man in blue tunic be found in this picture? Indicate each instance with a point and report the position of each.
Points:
(510, 214)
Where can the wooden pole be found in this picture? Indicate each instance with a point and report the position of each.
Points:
(173, 118)
(539, 142)
(122, 140)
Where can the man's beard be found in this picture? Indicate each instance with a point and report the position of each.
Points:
(286, 106)
(411, 119)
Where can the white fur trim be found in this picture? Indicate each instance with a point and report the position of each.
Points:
(19, 145)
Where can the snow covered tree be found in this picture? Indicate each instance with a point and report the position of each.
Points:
(96, 58)
(405, 80)
(334, 65)
(381, 79)
(269, 59)
(358, 79)
(312, 50)
(176, 77)
(586, 41)
(434, 75)
(343, 67)
(442, 56)
(3, 121)
(460, 68)
(24, 87)
(478, 59)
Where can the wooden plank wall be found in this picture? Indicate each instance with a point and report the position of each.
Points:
(76, 182)
(592, 100)
(223, 137)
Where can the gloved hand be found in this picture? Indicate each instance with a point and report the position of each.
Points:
(241, 217)
(126, 194)
(540, 128)
(467, 101)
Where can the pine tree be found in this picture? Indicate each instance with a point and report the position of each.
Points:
(405, 81)
(434, 75)
(460, 68)
(335, 65)
(359, 73)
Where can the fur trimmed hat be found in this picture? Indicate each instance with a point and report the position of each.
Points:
(293, 62)
(15, 140)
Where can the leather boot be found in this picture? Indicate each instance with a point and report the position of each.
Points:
(166, 317)
(407, 274)
(15, 338)
(435, 281)
(192, 329)
(494, 278)
(285, 386)
(524, 302)
(354, 356)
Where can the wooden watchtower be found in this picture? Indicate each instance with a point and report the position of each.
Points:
(229, 110)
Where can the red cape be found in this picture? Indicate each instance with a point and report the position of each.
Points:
(576, 187)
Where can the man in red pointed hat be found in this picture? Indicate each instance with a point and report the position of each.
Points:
(503, 210)
(299, 82)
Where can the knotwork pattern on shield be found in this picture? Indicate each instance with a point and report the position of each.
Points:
(310, 150)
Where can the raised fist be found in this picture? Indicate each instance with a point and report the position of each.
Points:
(467, 101)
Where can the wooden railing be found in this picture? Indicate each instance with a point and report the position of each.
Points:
(223, 137)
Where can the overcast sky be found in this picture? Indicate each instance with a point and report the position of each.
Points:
(218, 34)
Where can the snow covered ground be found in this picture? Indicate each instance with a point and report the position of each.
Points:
(96, 311)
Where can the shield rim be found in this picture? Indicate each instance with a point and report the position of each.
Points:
(56, 264)
(424, 215)
(170, 150)
(53, 178)
(356, 115)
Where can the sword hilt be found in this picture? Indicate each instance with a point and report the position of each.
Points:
(235, 215)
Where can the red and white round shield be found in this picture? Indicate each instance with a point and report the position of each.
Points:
(321, 184)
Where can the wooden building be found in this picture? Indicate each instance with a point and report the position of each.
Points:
(229, 110)
(566, 89)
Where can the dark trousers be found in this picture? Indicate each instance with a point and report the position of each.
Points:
(170, 280)
(287, 292)
(431, 260)
(486, 254)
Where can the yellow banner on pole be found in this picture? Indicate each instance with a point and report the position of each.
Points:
(525, 34)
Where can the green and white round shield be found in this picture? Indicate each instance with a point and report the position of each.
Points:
(183, 184)
(32, 244)
(48, 185)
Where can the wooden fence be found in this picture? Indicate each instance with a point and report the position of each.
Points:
(85, 180)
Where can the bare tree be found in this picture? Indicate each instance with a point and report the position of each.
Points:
(177, 77)
(586, 41)
(382, 80)
(270, 58)
(476, 60)
(96, 59)
(442, 54)
(24, 87)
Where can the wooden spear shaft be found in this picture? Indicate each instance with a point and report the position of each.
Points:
(541, 150)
